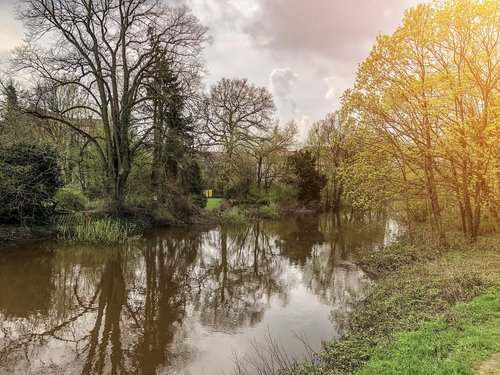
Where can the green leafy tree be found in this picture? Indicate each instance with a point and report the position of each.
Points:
(194, 183)
(308, 179)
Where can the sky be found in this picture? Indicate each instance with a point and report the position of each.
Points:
(306, 52)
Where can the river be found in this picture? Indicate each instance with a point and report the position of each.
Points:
(183, 300)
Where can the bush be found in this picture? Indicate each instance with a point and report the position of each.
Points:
(194, 184)
(258, 196)
(272, 211)
(233, 216)
(198, 200)
(71, 198)
(283, 194)
(163, 217)
(29, 178)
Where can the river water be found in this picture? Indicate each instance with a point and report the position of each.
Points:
(184, 300)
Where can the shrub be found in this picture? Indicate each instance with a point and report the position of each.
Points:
(283, 194)
(272, 211)
(233, 216)
(163, 217)
(29, 178)
(71, 198)
(194, 184)
(198, 200)
(258, 196)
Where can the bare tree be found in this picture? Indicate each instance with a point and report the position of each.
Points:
(235, 114)
(108, 50)
(270, 153)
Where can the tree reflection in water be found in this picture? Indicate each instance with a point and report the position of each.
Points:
(163, 303)
(237, 274)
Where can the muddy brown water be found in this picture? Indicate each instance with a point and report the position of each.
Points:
(184, 300)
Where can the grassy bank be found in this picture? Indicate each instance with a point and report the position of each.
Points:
(454, 343)
(416, 307)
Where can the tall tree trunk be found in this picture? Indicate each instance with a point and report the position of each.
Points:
(432, 195)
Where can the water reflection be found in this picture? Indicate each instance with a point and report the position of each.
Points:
(181, 300)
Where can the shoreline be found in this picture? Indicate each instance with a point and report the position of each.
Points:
(415, 283)
(223, 214)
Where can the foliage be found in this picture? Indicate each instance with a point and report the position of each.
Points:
(239, 183)
(71, 198)
(101, 231)
(309, 181)
(269, 154)
(235, 116)
(108, 53)
(333, 141)
(194, 184)
(427, 98)
(270, 211)
(233, 216)
(29, 178)
(284, 194)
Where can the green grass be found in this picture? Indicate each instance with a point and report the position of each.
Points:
(213, 203)
(455, 343)
(102, 231)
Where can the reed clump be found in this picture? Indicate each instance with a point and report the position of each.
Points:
(100, 231)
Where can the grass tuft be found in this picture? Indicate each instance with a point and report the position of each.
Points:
(101, 231)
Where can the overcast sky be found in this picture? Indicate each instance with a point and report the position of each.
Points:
(305, 51)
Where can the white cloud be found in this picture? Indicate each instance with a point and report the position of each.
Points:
(281, 81)
(11, 30)
(332, 92)
(304, 123)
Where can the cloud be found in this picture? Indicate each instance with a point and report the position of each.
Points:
(281, 81)
(11, 30)
(332, 29)
(332, 92)
(304, 123)
(223, 14)
(311, 47)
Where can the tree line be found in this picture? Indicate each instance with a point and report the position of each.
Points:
(119, 94)
(421, 125)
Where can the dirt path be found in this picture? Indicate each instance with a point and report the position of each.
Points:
(491, 366)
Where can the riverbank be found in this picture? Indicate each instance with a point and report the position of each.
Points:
(419, 317)
(217, 211)
(10, 233)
